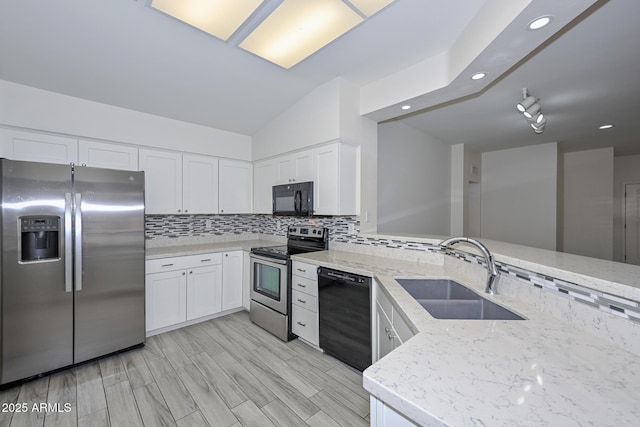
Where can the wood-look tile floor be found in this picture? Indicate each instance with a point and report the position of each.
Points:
(223, 372)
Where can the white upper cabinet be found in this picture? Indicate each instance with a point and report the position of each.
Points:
(236, 179)
(333, 168)
(295, 167)
(264, 178)
(163, 181)
(200, 184)
(109, 156)
(336, 177)
(37, 147)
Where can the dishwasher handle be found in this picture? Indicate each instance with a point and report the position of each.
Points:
(343, 276)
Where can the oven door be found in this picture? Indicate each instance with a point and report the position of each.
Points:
(269, 282)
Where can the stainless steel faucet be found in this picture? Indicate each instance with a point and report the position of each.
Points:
(491, 265)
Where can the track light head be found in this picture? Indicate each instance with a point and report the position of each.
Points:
(526, 103)
(539, 127)
(532, 111)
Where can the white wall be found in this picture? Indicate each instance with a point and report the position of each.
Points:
(626, 171)
(414, 187)
(312, 120)
(519, 188)
(32, 108)
(588, 203)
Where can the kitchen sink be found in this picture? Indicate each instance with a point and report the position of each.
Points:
(448, 299)
(440, 289)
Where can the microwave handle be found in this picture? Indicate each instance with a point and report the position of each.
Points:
(297, 201)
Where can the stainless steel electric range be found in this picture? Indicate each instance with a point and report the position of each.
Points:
(271, 278)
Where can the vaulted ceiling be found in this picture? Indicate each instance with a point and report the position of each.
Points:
(124, 53)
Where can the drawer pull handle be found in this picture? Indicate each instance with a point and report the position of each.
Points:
(302, 301)
(304, 325)
(390, 336)
(387, 330)
(166, 265)
(205, 260)
(183, 273)
(301, 285)
(302, 270)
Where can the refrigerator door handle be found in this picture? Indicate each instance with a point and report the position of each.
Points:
(78, 241)
(68, 249)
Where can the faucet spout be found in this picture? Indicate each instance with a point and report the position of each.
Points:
(491, 265)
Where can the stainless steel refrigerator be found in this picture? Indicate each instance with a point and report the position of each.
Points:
(72, 265)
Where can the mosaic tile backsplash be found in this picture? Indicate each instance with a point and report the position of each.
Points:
(345, 230)
(172, 226)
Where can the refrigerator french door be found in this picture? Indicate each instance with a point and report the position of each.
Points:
(72, 270)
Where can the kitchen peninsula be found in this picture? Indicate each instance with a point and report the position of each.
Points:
(567, 364)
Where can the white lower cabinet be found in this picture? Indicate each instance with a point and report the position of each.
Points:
(204, 291)
(387, 339)
(232, 280)
(181, 290)
(304, 302)
(166, 299)
(391, 330)
(383, 415)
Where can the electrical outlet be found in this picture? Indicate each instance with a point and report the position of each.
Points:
(207, 224)
(351, 228)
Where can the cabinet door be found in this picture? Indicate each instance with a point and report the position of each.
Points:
(304, 166)
(326, 189)
(336, 180)
(232, 280)
(264, 178)
(165, 297)
(200, 184)
(386, 334)
(204, 291)
(162, 181)
(286, 169)
(37, 147)
(235, 186)
(109, 156)
(296, 167)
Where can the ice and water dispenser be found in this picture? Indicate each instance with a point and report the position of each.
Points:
(39, 238)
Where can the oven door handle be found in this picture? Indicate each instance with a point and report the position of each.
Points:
(268, 260)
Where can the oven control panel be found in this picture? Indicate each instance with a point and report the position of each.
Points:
(304, 231)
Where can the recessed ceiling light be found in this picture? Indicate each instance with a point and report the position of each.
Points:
(540, 22)
(605, 127)
(406, 107)
(478, 76)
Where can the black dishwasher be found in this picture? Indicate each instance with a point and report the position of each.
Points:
(344, 306)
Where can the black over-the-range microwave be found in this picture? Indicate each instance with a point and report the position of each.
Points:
(293, 199)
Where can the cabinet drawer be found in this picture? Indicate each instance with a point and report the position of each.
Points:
(304, 323)
(203, 260)
(305, 300)
(182, 262)
(303, 269)
(165, 264)
(302, 284)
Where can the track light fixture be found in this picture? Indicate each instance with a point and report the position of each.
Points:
(530, 107)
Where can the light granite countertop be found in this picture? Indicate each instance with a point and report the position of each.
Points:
(602, 275)
(534, 372)
(194, 248)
